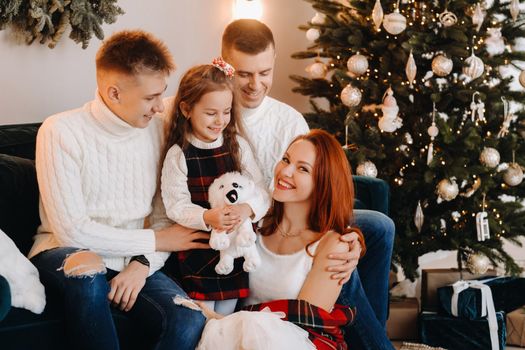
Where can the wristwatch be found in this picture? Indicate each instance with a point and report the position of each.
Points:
(141, 259)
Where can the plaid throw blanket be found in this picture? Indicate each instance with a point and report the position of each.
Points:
(324, 328)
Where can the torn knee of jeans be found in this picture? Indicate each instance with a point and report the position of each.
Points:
(186, 302)
(83, 264)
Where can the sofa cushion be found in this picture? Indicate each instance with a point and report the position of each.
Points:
(5, 298)
(19, 217)
(19, 140)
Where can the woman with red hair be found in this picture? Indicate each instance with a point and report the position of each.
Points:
(312, 198)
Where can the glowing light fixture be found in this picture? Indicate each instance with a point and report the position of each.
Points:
(247, 9)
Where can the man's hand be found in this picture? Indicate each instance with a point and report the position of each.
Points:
(176, 238)
(346, 262)
(221, 219)
(125, 286)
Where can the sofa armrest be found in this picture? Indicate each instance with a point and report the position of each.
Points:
(5, 298)
(371, 193)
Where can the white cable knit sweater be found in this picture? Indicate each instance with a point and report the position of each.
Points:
(97, 178)
(270, 128)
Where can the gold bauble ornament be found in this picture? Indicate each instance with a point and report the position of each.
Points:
(478, 264)
(522, 78)
(351, 96)
(357, 64)
(489, 157)
(442, 65)
(513, 176)
(395, 22)
(447, 189)
(474, 67)
(317, 70)
(366, 168)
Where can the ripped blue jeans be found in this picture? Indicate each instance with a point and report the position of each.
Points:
(87, 311)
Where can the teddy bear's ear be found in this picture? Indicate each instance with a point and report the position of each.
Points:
(215, 193)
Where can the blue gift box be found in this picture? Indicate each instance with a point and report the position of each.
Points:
(508, 294)
(461, 334)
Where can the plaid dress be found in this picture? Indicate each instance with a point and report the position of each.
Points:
(324, 328)
(195, 269)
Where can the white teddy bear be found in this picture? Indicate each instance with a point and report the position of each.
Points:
(229, 189)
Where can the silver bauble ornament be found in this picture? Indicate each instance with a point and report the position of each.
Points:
(522, 78)
(447, 189)
(442, 66)
(357, 64)
(377, 14)
(394, 22)
(513, 176)
(351, 96)
(448, 19)
(317, 70)
(514, 9)
(366, 168)
(478, 264)
(411, 69)
(489, 157)
(317, 19)
(313, 34)
(474, 67)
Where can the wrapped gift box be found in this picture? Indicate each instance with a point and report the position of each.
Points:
(516, 327)
(508, 294)
(432, 279)
(402, 320)
(462, 334)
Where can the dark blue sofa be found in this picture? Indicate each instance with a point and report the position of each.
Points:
(21, 329)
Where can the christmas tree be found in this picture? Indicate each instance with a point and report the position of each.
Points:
(419, 92)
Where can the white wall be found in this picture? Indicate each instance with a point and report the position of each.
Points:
(36, 81)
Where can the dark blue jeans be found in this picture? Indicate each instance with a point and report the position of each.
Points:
(88, 319)
(367, 289)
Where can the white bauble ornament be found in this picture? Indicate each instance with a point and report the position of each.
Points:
(377, 14)
(317, 19)
(366, 168)
(433, 130)
(474, 67)
(478, 264)
(447, 189)
(442, 66)
(478, 17)
(357, 64)
(448, 19)
(522, 78)
(351, 96)
(313, 34)
(513, 176)
(394, 22)
(495, 45)
(411, 69)
(514, 9)
(317, 70)
(489, 157)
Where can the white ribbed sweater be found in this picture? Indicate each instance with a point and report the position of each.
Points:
(97, 178)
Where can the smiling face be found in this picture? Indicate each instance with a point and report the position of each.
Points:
(253, 75)
(135, 99)
(210, 115)
(294, 180)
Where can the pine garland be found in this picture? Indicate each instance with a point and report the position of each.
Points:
(45, 21)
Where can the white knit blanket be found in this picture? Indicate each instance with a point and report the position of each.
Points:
(26, 290)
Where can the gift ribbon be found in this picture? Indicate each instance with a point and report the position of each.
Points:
(487, 306)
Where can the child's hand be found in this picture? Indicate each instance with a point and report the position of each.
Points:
(243, 211)
(221, 219)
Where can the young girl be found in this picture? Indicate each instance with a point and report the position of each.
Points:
(312, 198)
(202, 143)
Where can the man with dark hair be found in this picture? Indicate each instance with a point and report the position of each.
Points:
(97, 173)
(270, 125)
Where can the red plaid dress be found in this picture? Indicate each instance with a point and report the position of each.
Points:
(195, 269)
(324, 328)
